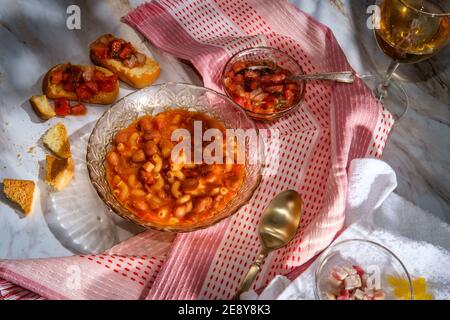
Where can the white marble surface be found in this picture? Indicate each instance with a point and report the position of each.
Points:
(34, 37)
(418, 148)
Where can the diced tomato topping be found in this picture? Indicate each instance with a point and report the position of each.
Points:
(66, 76)
(359, 270)
(289, 96)
(83, 92)
(116, 46)
(78, 109)
(92, 85)
(74, 79)
(99, 76)
(273, 78)
(229, 74)
(56, 77)
(118, 49)
(62, 107)
(261, 90)
(239, 79)
(343, 295)
(73, 70)
(254, 84)
(251, 74)
(100, 50)
(68, 86)
(238, 66)
(108, 85)
(291, 86)
(126, 51)
(274, 89)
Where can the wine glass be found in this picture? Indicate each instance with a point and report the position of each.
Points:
(408, 31)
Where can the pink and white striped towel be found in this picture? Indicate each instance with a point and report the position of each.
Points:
(337, 123)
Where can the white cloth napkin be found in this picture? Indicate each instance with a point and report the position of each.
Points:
(418, 238)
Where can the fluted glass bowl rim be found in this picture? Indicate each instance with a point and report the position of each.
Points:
(165, 228)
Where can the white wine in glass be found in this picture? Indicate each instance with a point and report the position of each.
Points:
(409, 31)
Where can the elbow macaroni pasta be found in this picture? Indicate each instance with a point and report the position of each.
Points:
(157, 162)
(175, 189)
(145, 179)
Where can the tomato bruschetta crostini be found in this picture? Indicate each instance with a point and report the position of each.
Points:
(89, 84)
(119, 56)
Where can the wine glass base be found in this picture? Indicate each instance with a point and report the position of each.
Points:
(393, 97)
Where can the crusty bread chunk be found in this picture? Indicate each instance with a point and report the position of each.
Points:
(42, 107)
(57, 140)
(58, 172)
(20, 192)
(137, 77)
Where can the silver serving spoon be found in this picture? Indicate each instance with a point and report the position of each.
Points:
(344, 76)
(278, 225)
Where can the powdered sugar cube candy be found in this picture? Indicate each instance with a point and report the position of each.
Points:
(352, 282)
(334, 282)
(339, 273)
(350, 270)
(359, 294)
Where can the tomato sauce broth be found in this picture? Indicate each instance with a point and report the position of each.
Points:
(145, 179)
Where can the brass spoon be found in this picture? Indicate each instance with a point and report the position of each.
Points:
(277, 227)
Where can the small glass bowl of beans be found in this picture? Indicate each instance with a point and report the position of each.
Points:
(257, 79)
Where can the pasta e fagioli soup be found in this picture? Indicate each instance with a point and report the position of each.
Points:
(158, 185)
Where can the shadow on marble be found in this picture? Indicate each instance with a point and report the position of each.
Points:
(32, 33)
(43, 188)
(40, 144)
(26, 106)
(125, 86)
(190, 73)
(15, 207)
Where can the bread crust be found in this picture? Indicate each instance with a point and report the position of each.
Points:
(57, 141)
(137, 77)
(53, 91)
(44, 112)
(58, 172)
(20, 192)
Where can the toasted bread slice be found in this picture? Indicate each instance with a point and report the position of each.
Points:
(21, 192)
(57, 91)
(58, 172)
(57, 140)
(137, 77)
(42, 107)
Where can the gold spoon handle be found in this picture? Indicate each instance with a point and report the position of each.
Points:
(251, 275)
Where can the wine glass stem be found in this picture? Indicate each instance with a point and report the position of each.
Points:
(382, 89)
